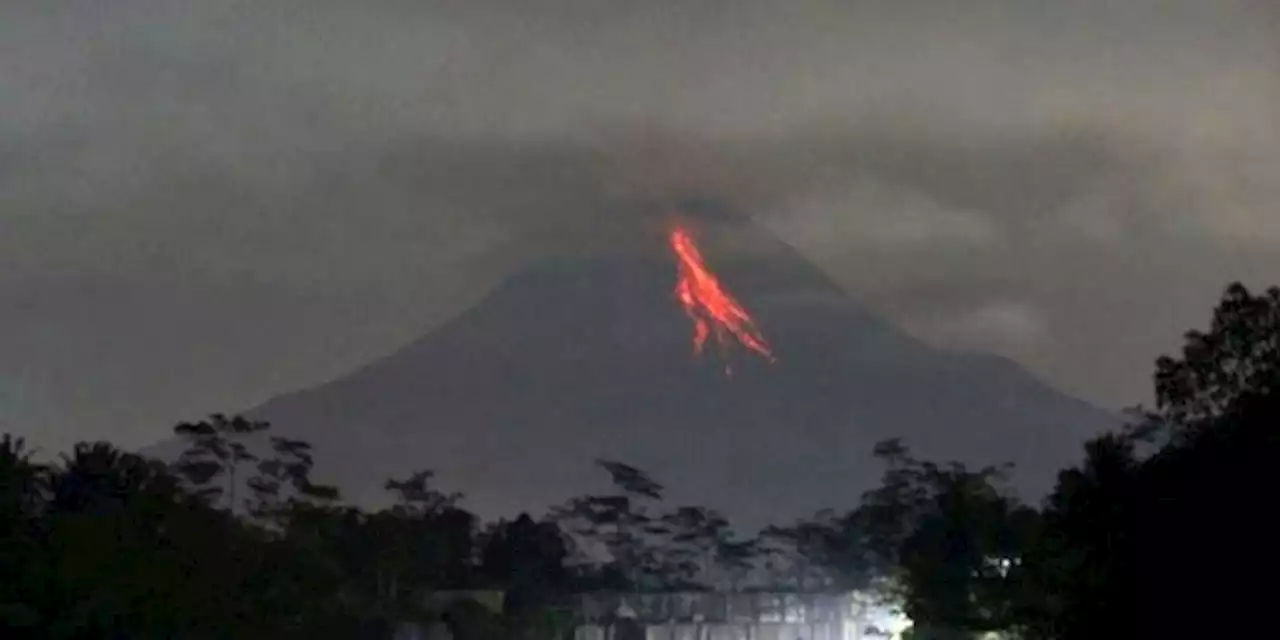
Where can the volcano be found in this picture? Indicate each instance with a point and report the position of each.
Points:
(572, 360)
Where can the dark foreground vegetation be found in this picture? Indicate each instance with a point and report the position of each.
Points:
(1164, 529)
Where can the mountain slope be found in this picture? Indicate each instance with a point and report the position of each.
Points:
(577, 359)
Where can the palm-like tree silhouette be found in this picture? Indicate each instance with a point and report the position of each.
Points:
(22, 481)
(99, 478)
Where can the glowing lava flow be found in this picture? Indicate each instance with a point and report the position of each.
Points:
(713, 311)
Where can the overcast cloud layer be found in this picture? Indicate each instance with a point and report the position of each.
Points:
(203, 204)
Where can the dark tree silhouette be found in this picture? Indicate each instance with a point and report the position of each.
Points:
(22, 500)
(950, 540)
(284, 479)
(625, 525)
(1206, 535)
(1161, 546)
(1238, 356)
(802, 556)
(1082, 579)
(630, 480)
(696, 538)
(417, 496)
(216, 452)
(527, 559)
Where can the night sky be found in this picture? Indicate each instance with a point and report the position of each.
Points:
(206, 204)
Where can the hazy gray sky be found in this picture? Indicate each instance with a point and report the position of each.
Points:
(203, 204)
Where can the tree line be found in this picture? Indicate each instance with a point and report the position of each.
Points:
(1162, 529)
